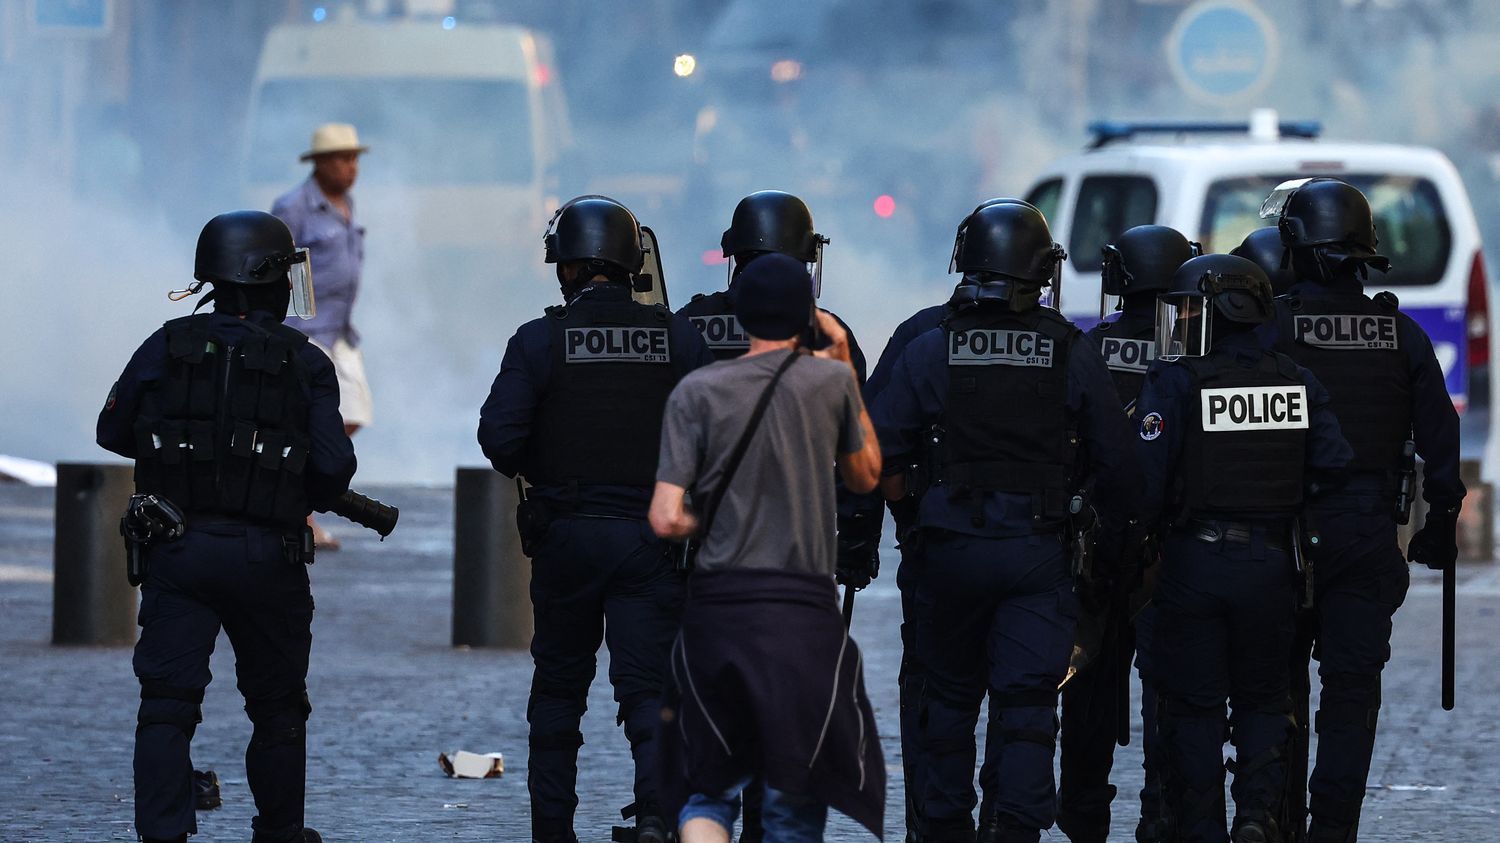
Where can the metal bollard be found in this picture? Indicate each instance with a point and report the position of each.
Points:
(92, 604)
(491, 577)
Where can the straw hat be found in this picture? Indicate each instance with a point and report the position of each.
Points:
(334, 137)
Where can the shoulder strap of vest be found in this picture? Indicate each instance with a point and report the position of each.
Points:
(187, 337)
(557, 311)
(1285, 366)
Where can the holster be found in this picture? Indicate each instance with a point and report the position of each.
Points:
(532, 520)
(298, 546)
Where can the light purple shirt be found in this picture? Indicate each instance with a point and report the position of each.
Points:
(337, 251)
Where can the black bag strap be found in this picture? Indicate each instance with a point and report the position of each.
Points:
(711, 507)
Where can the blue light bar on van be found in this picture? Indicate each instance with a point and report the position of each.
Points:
(1106, 132)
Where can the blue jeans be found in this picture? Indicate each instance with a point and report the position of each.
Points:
(786, 818)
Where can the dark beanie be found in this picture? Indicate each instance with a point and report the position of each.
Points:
(773, 297)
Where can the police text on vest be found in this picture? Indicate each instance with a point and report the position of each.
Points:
(1128, 355)
(721, 331)
(985, 347)
(617, 345)
(1350, 330)
(1254, 408)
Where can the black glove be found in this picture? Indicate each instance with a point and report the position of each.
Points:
(1436, 544)
(858, 559)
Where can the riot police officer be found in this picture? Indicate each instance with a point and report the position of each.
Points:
(1013, 406)
(1232, 438)
(911, 676)
(1387, 390)
(233, 422)
(1134, 268)
(1263, 246)
(576, 409)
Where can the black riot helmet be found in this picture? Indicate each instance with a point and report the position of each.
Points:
(253, 263)
(1210, 295)
(1006, 253)
(773, 221)
(1324, 211)
(1263, 246)
(1326, 227)
(597, 230)
(1142, 260)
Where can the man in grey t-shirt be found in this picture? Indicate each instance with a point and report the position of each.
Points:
(762, 643)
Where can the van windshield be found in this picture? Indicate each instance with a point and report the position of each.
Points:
(424, 131)
(1409, 220)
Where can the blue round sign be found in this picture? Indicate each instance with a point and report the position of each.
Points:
(1222, 50)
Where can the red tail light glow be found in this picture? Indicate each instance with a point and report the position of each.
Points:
(1478, 317)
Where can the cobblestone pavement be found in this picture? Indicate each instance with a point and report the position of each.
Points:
(390, 694)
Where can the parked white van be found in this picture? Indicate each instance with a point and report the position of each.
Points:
(1209, 180)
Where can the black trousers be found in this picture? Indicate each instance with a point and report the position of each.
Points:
(593, 581)
(237, 577)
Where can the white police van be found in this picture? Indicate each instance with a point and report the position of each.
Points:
(1208, 181)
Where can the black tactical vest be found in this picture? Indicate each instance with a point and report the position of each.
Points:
(226, 430)
(1244, 450)
(1007, 425)
(1352, 344)
(599, 421)
(715, 320)
(1128, 345)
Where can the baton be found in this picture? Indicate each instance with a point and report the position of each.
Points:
(1450, 600)
(849, 607)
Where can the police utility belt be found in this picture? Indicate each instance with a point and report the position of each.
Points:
(1276, 536)
(151, 520)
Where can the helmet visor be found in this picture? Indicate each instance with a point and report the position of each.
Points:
(814, 269)
(649, 286)
(299, 273)
(1182, 327)
(1276, 203)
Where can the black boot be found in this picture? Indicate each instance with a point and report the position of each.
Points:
(955, 830)
(1006, 829)
(302, 835)
(1153, 830)
(206, 790)
(1254, 828)
(649, 827)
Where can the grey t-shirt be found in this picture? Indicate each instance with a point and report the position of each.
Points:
(779, 509)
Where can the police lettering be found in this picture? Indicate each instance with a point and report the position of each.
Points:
(984, 347)
(721, 331)
(1128, 355)
(617, 345)
(1357, 331)
(1254, 408)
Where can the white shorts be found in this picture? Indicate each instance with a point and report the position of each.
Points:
(354, 390)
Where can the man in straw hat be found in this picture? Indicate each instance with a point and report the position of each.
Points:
(320, 213)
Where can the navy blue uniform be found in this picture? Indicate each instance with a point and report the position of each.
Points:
(1227, 590)
(599, 574)
(1361, 576)
(232, 572)
(994, 606)
(1125, 340)
(911, 675)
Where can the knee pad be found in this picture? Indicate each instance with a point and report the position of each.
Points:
(169, 705)
(279, 721)
(639, 714)
(1029, 716)
(1349, 698)
(552, 690)
(556, 742)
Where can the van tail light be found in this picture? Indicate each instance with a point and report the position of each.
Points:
(1478, 317)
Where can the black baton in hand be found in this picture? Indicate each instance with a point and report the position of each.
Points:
(1450, 601)
(848, 605)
